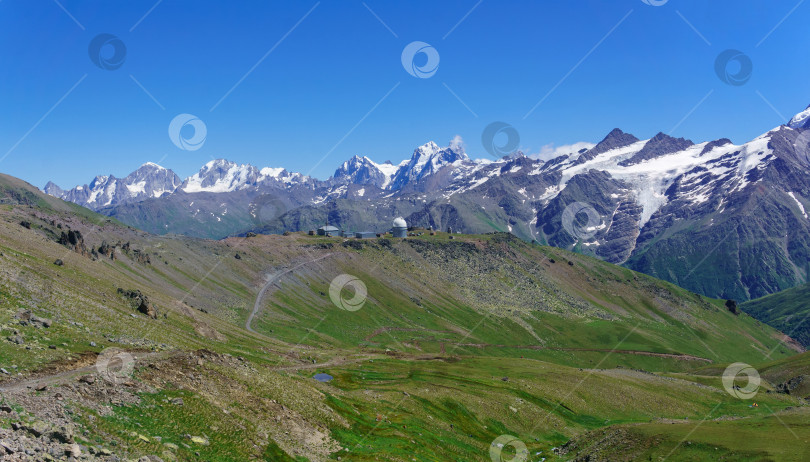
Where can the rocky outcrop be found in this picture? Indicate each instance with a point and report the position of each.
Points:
(790, 385)
(27, 318)
(658, 145)
(141, 257)
(620, 239)
(140, 302)
(714, 144)
(107, 250)
(614, 140)
(73, 240)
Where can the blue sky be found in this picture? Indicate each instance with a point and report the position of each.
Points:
(333, 85)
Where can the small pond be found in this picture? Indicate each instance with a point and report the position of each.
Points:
(322, 377)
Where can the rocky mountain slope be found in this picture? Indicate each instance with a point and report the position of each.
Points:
(148, 181)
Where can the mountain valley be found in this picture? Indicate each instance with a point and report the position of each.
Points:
(558, 342)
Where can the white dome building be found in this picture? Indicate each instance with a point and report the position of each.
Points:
(400, 228)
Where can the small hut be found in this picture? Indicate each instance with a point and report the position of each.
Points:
(328, 231)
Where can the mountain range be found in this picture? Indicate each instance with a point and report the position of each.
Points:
(721, 219)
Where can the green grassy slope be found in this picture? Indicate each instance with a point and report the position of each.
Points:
(496, 295)
(459, 341)
(788, 311)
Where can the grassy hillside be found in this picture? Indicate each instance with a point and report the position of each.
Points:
(788, 311)
(496, 295)
(459, 341)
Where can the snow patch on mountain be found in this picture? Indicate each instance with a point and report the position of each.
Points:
(801, 206)
(272, 172)
(137, 188)
(650, 178)
(550, 151)
(220, 176)
(390, 169)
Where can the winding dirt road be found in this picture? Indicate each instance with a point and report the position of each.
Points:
(270, 282)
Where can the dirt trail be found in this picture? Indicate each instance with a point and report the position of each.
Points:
(270, 282)
(69, 375)
(331, 363)
(383, 330)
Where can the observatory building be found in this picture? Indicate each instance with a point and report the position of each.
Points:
(400, 228)
(328, 231)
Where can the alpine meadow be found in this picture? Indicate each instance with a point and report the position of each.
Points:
(468, 230)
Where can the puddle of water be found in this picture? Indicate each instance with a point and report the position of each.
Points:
(322, 377)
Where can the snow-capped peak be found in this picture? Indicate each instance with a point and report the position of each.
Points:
(151, 165)
(362, 170)
(272, 172)
(428, 159)
(430, 151)
(426, 150)
(800, 120)
(99, 180)
(221, 175)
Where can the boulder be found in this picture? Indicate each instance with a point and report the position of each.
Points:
(43, 322)
(731, 306)
(140, 301)
(6, 448)
(24, 315)
(62, 434)
(73, 450)
(38, 428)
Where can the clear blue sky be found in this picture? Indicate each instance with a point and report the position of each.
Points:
(340, 61)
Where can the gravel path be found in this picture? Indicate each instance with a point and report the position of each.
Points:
(71, 374)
